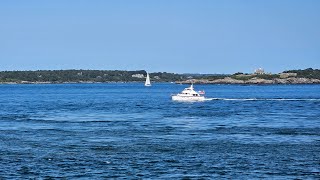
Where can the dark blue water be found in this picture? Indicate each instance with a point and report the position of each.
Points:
(95, 131)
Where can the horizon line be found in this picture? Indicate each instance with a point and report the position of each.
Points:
(143, 70)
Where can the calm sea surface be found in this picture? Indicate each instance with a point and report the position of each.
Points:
(95, 131)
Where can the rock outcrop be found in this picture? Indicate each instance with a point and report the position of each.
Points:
(229, 80)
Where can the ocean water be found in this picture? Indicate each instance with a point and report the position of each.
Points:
(117, 131)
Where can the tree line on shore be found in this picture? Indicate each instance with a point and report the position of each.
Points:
(61, 76)
(306, 73)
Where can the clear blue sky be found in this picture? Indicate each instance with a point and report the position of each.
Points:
(195, 36)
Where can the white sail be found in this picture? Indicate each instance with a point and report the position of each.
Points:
(147, 83)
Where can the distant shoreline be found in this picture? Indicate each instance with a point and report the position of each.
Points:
(306, 76)
(257, 81)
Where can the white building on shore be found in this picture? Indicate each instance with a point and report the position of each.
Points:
(259, 71)
(138, 75)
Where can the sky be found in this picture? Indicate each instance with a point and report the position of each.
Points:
(179, 36)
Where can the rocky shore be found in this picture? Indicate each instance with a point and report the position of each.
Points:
(229, 80)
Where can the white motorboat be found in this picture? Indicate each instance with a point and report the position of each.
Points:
(189, 94)
(147, 83)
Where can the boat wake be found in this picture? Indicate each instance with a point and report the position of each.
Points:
(260, 99)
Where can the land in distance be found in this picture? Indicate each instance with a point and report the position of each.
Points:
(306, 76)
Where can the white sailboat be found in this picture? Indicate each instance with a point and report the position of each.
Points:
(147, 83)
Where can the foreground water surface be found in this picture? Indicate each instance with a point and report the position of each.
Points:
(130, 131)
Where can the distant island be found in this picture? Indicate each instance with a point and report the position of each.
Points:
(306, 76)
(83, 76)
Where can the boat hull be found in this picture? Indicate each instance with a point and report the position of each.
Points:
(187, 98)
